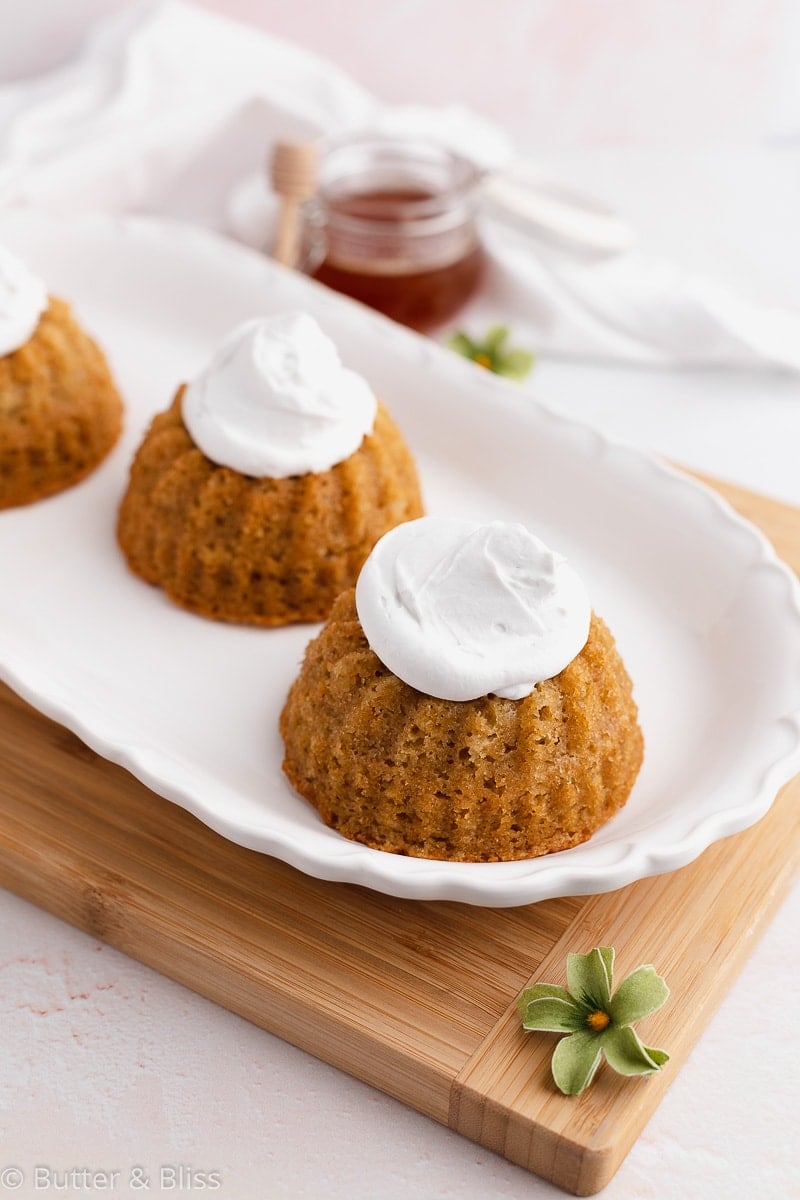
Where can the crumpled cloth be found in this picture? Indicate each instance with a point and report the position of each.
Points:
(171, 110)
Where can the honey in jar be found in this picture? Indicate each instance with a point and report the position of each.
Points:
(393, 225)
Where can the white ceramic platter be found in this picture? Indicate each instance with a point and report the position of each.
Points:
(706, 618)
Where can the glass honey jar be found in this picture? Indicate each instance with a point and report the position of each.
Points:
(393, 224)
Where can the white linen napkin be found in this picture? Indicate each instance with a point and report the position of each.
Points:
(171, 110)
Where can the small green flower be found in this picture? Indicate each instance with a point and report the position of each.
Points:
(598, 1021)
(492, 353)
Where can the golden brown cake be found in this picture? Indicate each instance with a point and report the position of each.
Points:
(259, 551)
(60, 413)
(478, 780)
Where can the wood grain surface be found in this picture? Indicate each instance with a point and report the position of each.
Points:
(418, 999)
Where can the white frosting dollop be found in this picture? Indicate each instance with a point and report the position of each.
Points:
(23, 299)
(459, 609)
(276, 401)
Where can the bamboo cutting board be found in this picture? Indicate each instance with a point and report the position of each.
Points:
(415, 998)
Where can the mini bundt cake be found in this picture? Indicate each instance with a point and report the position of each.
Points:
(474, 780)
(244, 543)
(60, 412)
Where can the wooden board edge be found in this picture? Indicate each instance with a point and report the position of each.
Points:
(113, 912)
(577, 1168)
(535, 1133)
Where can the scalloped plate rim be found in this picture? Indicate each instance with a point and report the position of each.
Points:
(475, 883)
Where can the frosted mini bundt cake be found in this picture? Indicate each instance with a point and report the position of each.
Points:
(60, 412)
(258, 494)
(463, 702)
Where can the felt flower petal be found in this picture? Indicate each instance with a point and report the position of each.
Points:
(514, 364)
(659, 1057)
(627, 1055)
(575, 1060)
(639, 994)
(590, 976)
(542, 989)
(495, 336)
(553, 1014)
(463, 344)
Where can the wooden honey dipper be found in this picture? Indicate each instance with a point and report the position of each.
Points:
(293, 174)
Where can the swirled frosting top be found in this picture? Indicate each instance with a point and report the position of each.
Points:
(275, 400)
(459, 609)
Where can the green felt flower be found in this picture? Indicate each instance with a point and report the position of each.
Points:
(493, 354)
(597, 1019)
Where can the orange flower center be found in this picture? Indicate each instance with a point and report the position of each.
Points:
(598, 1020)
(483, 360)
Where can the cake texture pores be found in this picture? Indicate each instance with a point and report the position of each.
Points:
(462, 609)
(276, 401)
(23, 299)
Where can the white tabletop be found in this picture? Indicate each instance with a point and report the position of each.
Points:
(109, 1066)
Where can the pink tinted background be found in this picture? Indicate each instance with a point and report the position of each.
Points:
(555, 73)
